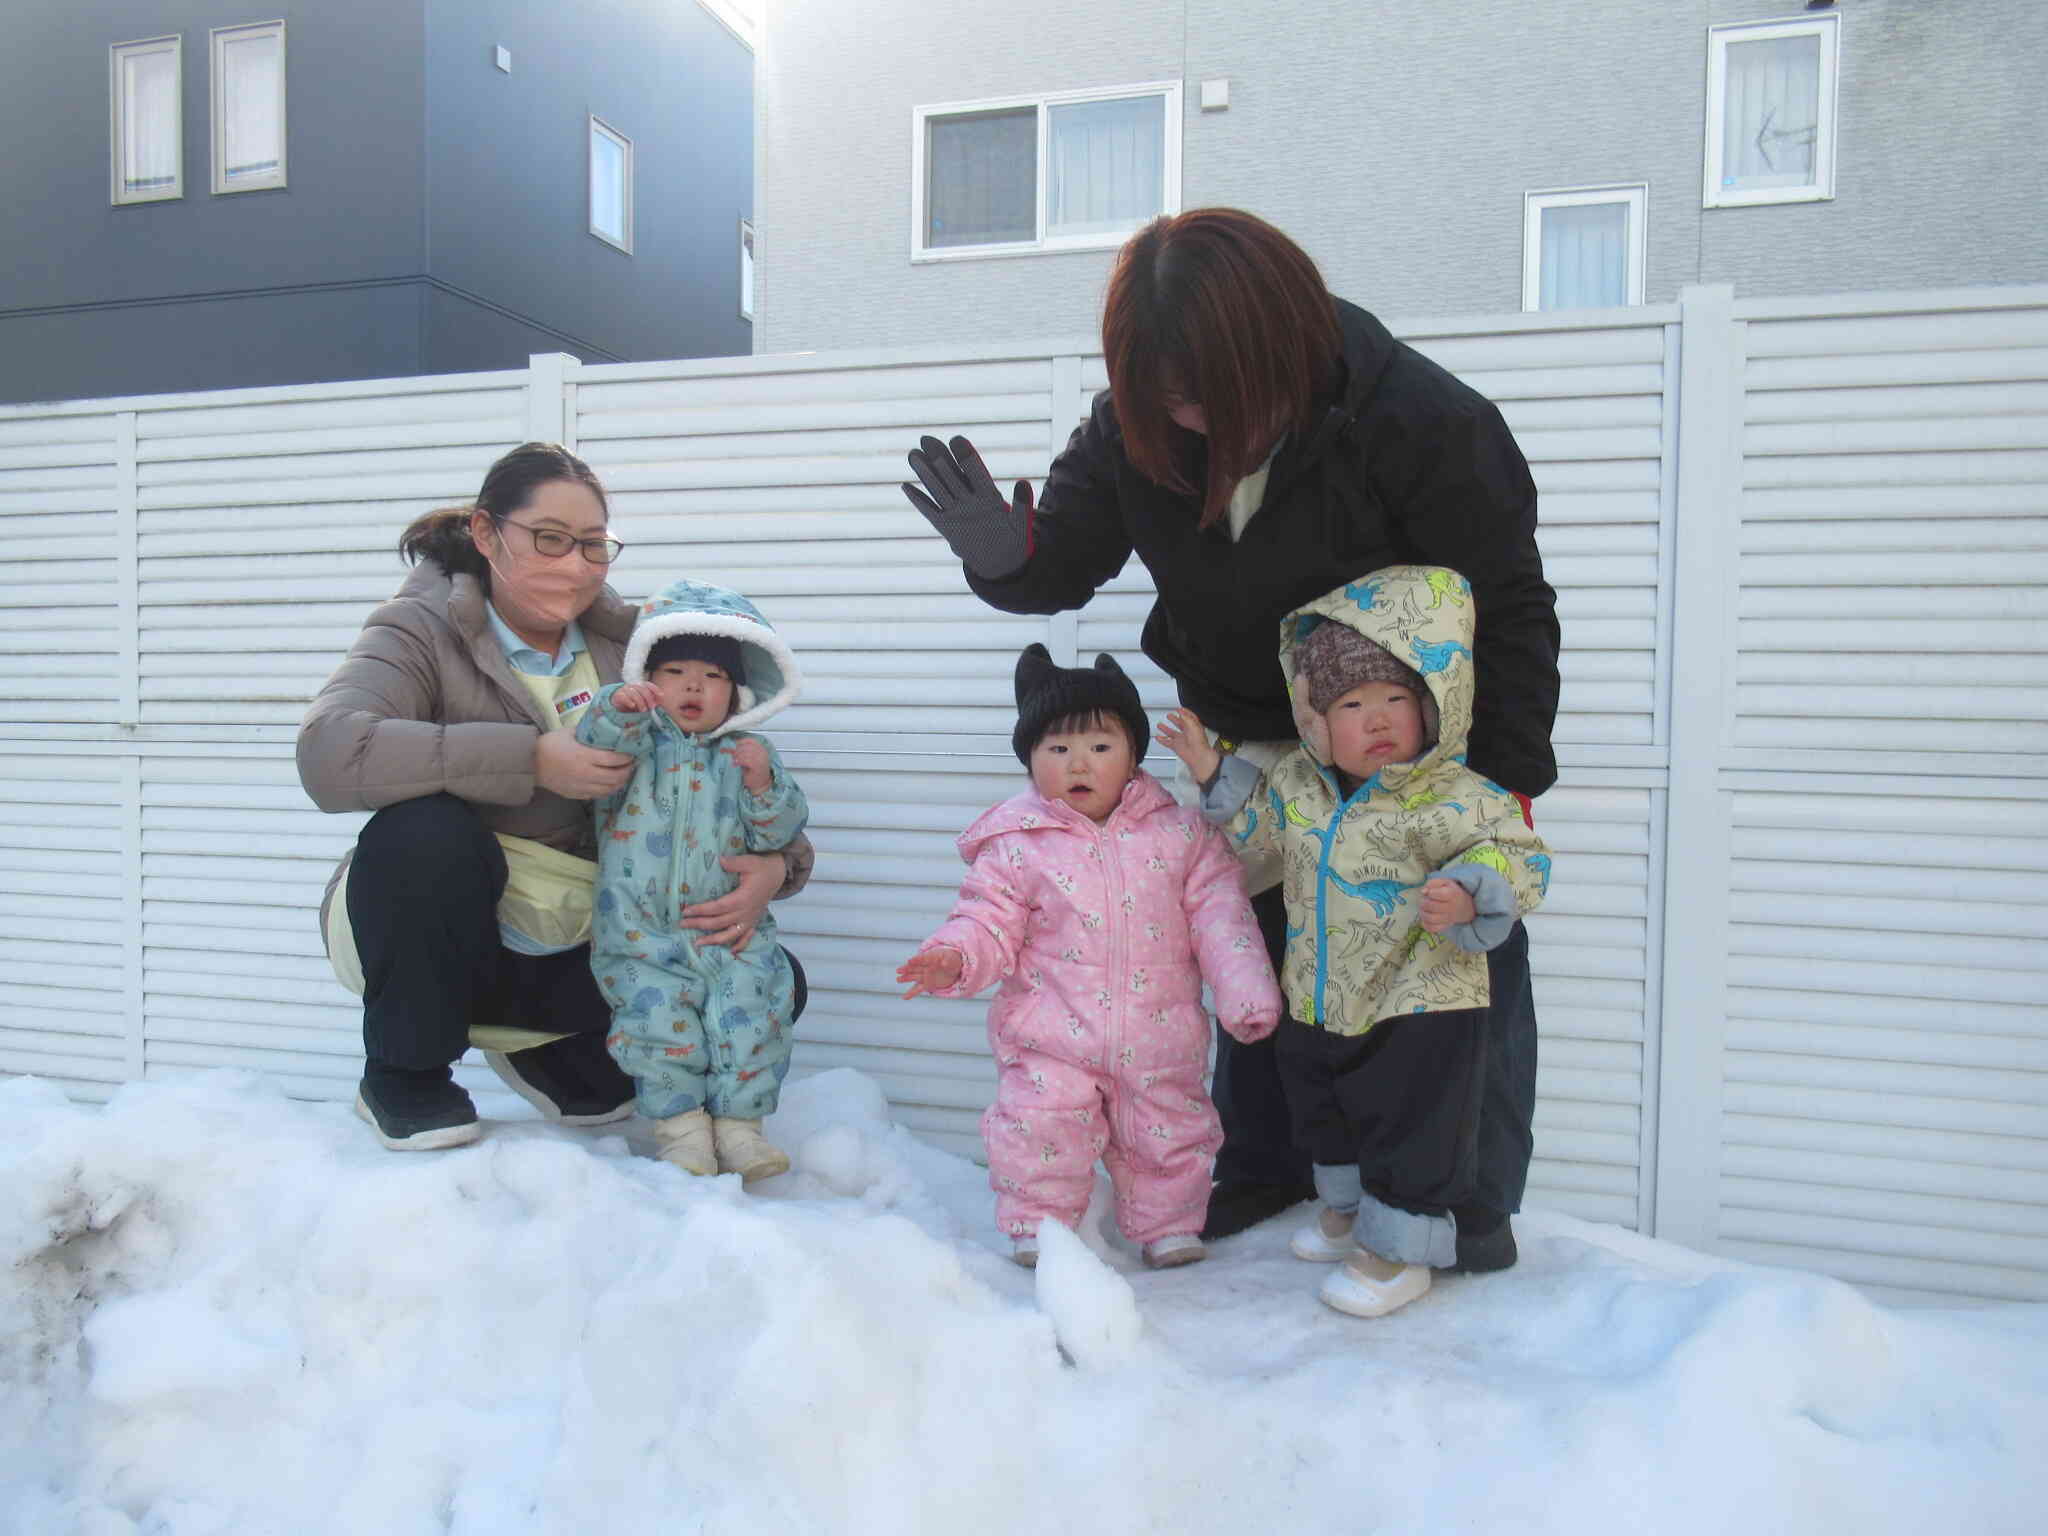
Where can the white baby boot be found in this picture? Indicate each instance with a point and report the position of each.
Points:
(685, 1140)
(743, 1150)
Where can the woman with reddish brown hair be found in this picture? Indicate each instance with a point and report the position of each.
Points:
(1260, 443)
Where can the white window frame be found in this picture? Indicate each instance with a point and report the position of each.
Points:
(1822, 187)
(746, 269)
(595, 126)
(1040, 243)
(117, 118)
(218, 40)
(1636, 195)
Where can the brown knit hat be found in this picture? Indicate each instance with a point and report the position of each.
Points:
(1335, 658)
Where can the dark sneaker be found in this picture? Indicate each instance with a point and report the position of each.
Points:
(1483, 1252)
(1234, 1207)
(416, 1111)
(572, 1081)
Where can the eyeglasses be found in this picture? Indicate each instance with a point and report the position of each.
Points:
(552, 543)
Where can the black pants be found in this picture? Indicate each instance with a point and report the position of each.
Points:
(1401, 1102)
(423, 895)
(1258, 1146)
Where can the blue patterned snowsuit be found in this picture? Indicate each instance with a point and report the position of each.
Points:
(696, 1027)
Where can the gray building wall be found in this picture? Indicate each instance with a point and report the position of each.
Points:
(1395, 140)
(507, 181)
(434, 218)
(259, 287)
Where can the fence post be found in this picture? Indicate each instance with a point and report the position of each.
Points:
(1698, 851)
(548, 417)
(1063, 630)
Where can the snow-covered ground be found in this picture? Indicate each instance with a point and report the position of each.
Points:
(227, 1312)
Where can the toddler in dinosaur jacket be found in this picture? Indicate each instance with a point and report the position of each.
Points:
(1401, 869)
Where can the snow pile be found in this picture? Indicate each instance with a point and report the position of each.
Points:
(232, 1313)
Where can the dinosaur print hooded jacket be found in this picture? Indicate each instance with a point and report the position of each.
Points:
(1355, 863)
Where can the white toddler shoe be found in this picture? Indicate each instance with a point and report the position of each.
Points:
(1367, 1285)
(1326, 1240)
(1174, 1250)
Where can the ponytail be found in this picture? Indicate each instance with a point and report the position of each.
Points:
(442, 536)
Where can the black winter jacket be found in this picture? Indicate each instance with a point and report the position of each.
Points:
(1403, 465)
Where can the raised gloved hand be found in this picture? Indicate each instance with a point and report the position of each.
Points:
(991, 535)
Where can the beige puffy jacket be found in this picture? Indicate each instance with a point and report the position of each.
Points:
(425, 701)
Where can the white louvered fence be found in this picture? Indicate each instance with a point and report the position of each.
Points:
(1790, 974)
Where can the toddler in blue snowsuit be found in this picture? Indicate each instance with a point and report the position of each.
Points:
(704, 1031)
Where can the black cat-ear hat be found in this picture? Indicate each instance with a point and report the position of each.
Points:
(1048, 693)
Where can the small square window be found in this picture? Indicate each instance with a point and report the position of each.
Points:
(981, 178)
(148, 120)
(611, 185)
(248, 107)
(1069, 171)
(1771, 112)
(746, 270)
(1105, 166)
(1582, 248)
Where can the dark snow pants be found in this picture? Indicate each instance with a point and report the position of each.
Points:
(1258, 1144)
(423, 893)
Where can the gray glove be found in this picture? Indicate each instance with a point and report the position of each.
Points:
(991, 536)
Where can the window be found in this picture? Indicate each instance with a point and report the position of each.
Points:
(1070, 171)
(148, 120)
(746, 270)
(248, 107)
(1583, 248)
(1771, 112)
(611, 186)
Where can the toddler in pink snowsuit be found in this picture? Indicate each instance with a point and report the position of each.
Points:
(1102, 906)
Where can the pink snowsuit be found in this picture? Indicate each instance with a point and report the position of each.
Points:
(1102, 937)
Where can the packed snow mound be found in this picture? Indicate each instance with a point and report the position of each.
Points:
(234, 1313)
(1093, 1309)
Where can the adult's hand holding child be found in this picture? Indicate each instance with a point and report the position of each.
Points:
(576, 772)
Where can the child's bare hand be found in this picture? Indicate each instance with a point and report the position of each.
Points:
(930, 970)
(636, 698)
(753, 760)
(1183, 734)
(1446, 904)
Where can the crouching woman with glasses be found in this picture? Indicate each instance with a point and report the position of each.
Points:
(462, 915)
